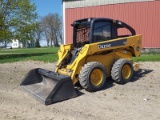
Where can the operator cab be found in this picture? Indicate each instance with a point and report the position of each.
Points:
(92, 30)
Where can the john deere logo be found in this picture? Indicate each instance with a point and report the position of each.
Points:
(104, 46)
(112, 44)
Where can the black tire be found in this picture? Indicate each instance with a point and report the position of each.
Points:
(97, 72)
(122, 71)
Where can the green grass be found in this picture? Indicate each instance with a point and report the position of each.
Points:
(28, 50)
(37, 54)
(50, 55)
(148, 57)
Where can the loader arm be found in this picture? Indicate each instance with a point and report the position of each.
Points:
(131, 43)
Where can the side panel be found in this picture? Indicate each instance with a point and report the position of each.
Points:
(144, 17)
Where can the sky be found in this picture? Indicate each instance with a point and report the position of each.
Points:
(45, 7)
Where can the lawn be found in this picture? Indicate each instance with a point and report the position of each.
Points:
(50, 55)
(148, 57)
(38, 54)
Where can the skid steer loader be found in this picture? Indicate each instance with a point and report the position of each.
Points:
(97, 52)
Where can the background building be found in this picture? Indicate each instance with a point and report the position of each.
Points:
(142, 15)
(16, 44)
(26, 44)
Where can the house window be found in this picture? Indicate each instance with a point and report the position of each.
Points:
(15, 44)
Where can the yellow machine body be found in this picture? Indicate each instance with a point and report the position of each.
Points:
(106, 56)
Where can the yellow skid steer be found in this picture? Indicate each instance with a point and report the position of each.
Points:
(97, 52)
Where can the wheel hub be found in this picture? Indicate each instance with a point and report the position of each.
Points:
(96, 77)
(126, 71)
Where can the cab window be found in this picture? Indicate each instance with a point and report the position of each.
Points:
(101, 31)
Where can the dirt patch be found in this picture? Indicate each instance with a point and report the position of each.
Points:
(138, 99)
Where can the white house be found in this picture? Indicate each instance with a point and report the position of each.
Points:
(16, 44)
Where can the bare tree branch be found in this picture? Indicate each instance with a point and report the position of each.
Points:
(52, 29)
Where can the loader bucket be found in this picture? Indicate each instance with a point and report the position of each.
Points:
(47, 86)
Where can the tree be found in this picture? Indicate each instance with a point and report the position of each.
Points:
(4, 32)
(17, 20)
(46, 31)
(37, 44)
(38, 34)
(52, 27)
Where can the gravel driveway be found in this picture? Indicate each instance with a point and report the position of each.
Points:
(136, 100)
